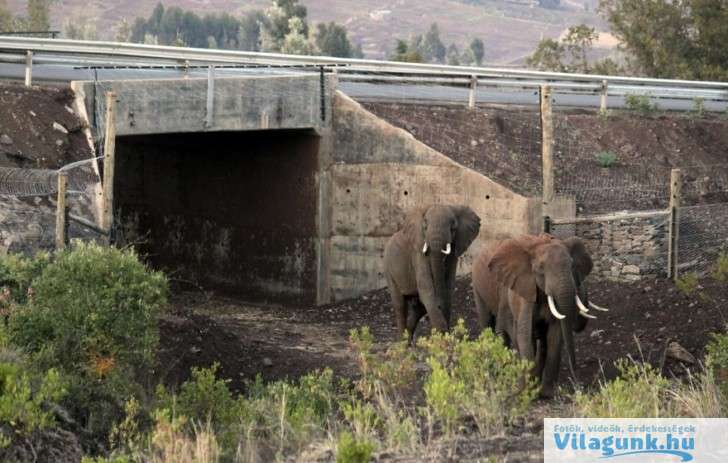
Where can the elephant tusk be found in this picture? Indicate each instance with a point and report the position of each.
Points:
(596, 307)
(424, 248)
(586, 315)
(552, 308)
(582, 307)
(448, 249)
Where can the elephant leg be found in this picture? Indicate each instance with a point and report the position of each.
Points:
(524, 330)
(553, 360)
(540, 358)
(415, 311)
(399, 305)
(485, 316)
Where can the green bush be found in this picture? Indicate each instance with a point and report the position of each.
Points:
(92, 314)
(24, 397)
(716, 360)
(641, 104)
(720, 269)
(698, 109)
(480, 378)
(352, 450)
(606, 158)
(687, 283)
(639, 392)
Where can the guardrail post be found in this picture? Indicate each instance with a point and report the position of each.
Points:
(186, 70)
(210, 96)
(61, 211)
(107, 217)
(29, 68)
(473, 91)
(674, 224)
(603, 99)
(547, 144)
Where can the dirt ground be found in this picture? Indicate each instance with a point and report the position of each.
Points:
(29, 139)
(279, 343)
(505, 144)
(644, 319)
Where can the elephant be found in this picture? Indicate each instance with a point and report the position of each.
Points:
(420, 263)
(530, 290)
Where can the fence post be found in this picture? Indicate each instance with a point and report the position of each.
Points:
(674, 230)
(473, 91)
(547, 144)
(61, 211)
(547, 225)
(210, 96)
(603, 99)
(107, 218)
(29, 69)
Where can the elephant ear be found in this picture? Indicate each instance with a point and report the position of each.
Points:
(412, 229)
(582, 260)
(468, 228)
(511, 265)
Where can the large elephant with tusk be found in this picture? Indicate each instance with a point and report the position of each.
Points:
(531, 291)
(420, 263)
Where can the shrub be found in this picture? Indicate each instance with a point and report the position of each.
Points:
(353, 450)
(720, 269)
(393, 370)
(687, 283)
(698, 109)
(478, 378)
(24, 397)
(606, 158)
(639, 392)
(640, 104)
(699, 397)
(93, 316)
(716, 362)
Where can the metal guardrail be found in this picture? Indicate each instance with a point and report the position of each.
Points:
(62, 51)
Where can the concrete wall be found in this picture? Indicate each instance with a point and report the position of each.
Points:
(376, 174)
(234, 211)
(291, 101)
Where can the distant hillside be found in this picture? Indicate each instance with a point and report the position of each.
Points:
(510, 28)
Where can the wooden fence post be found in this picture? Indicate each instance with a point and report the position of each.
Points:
(674, 230)
(61, 211)
(603, 99)
(107, 218)
(547, 144)
(473, 91)
(29, 69)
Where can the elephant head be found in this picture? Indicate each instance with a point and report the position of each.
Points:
(545, 270)
(438, 235)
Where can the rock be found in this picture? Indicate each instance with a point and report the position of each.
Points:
(473, 143)
(33, 113)
(678, 352)
(596, 333)
(631, 269)
(195, 350)
(60, 128)
(5, 140)
(59, 142)
(267, 362)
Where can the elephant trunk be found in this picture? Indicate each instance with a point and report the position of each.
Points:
(565, 298)
(437, 261)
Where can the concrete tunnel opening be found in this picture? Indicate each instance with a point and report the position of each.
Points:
(233, 211)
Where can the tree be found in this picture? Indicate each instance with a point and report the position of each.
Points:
(278, 24)
(332, 40)
(296, 42)
(453, 55)
(404, 52)
(671, 38)
(122, 31)
(250, 28)
(577, 42)
(549, 56)
(357, 52)
(477, 48)
(80, 28)
(39, 15)
(431, 47)
(6, 18)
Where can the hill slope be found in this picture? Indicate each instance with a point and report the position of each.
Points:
(510, 28)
